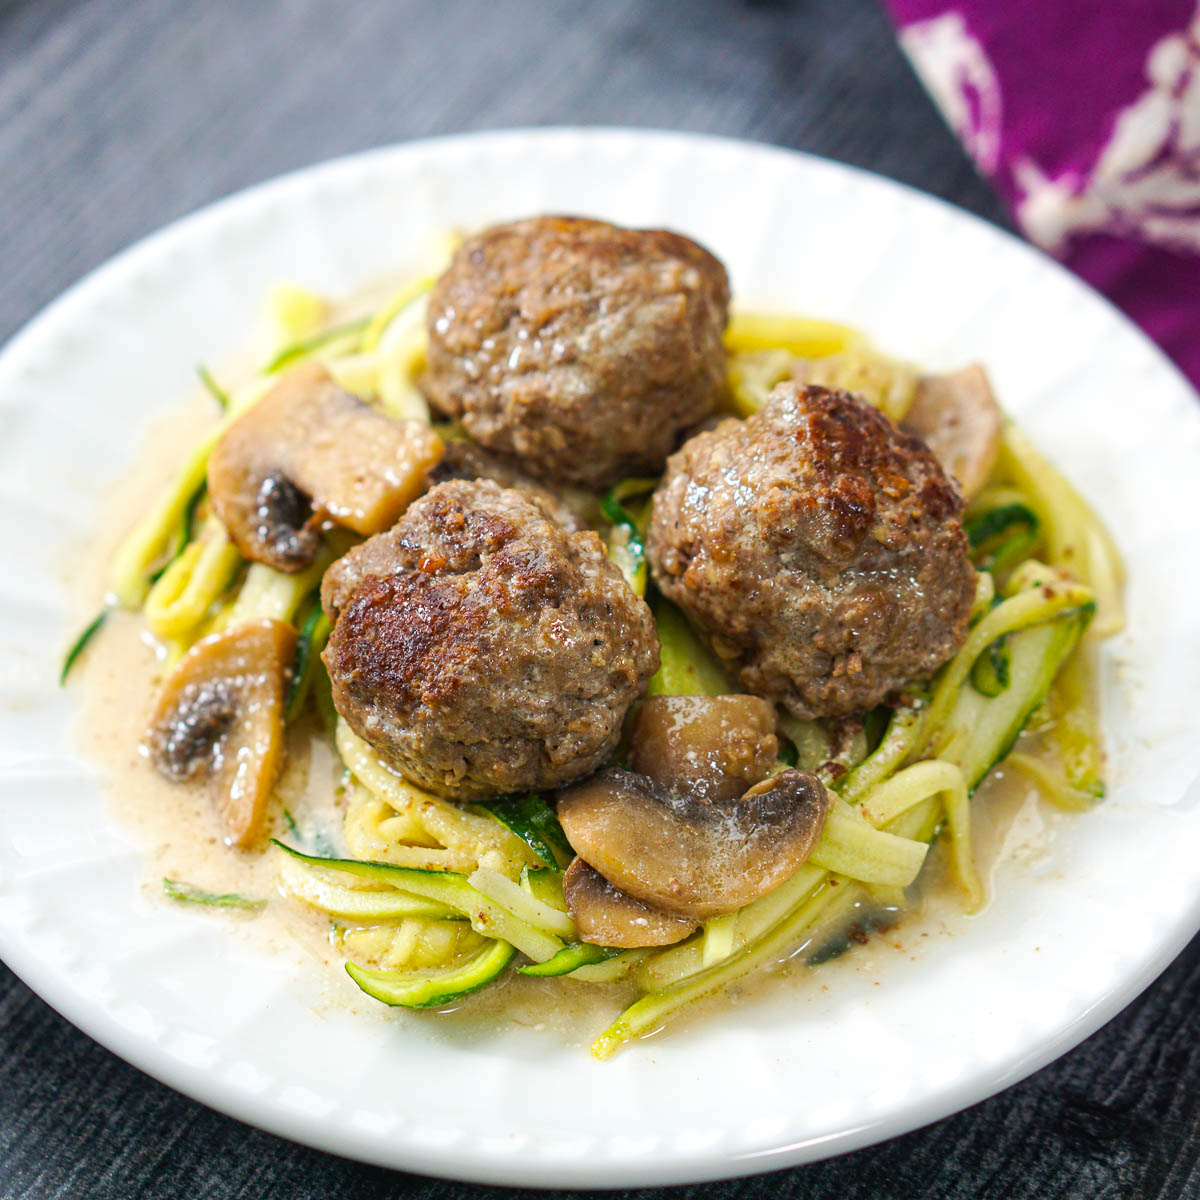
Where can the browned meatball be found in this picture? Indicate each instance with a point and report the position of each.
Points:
(465, 460)
(483, 649)
(581, 348)
(818, 547)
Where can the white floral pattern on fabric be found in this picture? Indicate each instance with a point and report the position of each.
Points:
(958, 74)
(1146, 181)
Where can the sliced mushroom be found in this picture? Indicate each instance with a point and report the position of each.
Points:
(960, 421)
(713, 747)
(220, 717)
(605, 916)
(307, 454)
(684, 854)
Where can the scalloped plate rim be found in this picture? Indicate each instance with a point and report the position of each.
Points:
(60, 990)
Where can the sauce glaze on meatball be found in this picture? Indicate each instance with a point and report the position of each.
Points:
(818, 548)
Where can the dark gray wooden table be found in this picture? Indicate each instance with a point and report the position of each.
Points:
(116, 117)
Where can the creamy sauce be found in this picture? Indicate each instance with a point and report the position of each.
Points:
(115, 682)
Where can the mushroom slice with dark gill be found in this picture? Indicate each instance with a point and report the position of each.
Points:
(713, 747)
(958, 418)
(606, 916)
(683, 854)
(220, 717)
(308, 454)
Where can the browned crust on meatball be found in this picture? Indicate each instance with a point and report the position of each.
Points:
(483, 649)
(818, 548)
(583, 349)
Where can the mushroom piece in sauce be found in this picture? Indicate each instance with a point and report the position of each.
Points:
(713, 747)
(220, 717)
(606, 916)
(683, 854)
(307, 454)
(958, 418)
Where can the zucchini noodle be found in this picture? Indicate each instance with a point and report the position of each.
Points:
(319, 889)
(1073, 535)
(401, 304)
(476, 841)
(1052, 786)
(917, 783)
(377, 832)
(897, 744)
(801, 337)
(1027, 608)
(852, 846)
(412, 943)
(686, 666)
(193, 583)
(267, 594)
(717, 942)
(647, 1014)
(520, 903)
(765, 351)
(134, 560)
(439, 897)
(1075, 722)
(295, 313)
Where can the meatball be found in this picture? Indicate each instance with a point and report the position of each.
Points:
(465, 460)
(483, 649)
(818, 548)
(583, 349)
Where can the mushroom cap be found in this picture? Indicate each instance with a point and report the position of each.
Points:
(713, 747)
(309, 453)
(693, 858)
(958, 418)
(220, 717)
(605, 916)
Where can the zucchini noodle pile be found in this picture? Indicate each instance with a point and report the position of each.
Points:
(432, 900)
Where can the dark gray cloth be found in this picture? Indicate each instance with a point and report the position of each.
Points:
(117, 117)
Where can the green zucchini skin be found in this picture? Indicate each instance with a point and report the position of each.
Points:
(1001, 537)
(212, 387)
(188, 893)
(307, 345)
(80, 644)
(434, 989)
(183, 533)
(569, 958)
(313, 635)
(451, 882)
(992, 671)
(534, 822)
(545, 884)
(686, 666)
(629, 552)
(980, 730)
(452, 889)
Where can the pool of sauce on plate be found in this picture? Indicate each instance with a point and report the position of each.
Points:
(114, 684)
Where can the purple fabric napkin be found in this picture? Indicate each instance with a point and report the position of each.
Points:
(1085, 114)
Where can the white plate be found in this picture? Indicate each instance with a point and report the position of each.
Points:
(800, 1075)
